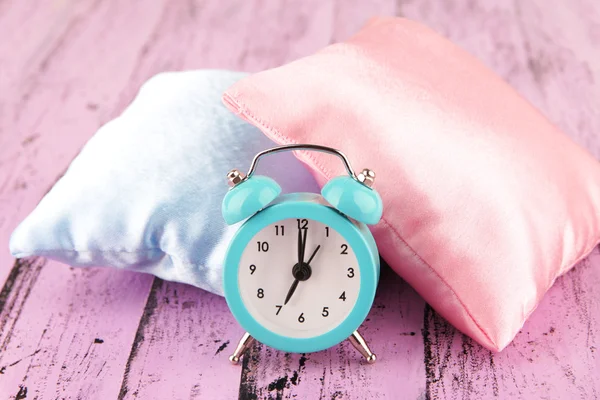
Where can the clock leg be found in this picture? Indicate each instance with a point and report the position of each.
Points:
(242, 346)
(361, 345)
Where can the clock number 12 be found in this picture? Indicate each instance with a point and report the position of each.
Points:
(302, 223)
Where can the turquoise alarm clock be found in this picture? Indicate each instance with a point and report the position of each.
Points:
(301, 272)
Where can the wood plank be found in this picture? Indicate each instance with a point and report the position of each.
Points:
(182, 347)
(68, 337)
(553, 357)
(351, 15)
(17, 288)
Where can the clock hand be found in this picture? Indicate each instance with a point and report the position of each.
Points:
(301, 248)
(303, 277)
(300, 252)
(313, 255)
(303, 245)
(291, 291)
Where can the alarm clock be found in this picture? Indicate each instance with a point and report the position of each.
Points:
(301, 272)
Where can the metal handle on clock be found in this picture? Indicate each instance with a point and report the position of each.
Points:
(292, 147)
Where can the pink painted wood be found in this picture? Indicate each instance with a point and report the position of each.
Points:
(68, 66)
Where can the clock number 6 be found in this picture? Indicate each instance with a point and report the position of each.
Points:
(301, 318)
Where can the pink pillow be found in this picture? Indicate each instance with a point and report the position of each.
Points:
(485, 202)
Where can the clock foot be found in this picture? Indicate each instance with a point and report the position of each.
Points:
(242, 346)
(361, 345)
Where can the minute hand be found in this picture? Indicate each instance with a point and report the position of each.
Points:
(300, 248)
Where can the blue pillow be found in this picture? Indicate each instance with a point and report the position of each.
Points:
(145, 192)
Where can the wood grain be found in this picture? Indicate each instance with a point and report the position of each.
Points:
(69, 337)
(182, 346)
(553, 357)
(97, 333)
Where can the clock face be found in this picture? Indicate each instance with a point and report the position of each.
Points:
(299, 278)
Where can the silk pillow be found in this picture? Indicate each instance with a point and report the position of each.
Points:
(485, 202)
(145, 192)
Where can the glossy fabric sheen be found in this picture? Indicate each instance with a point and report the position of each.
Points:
(145, 192)
(485, 201)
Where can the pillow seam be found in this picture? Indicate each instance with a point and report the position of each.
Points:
(244, 111)
(43, 253)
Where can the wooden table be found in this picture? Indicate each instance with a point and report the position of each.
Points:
(67, 67)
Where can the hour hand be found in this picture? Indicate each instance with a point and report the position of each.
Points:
(291, 291)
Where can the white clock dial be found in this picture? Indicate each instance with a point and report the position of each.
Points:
(317, 304)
